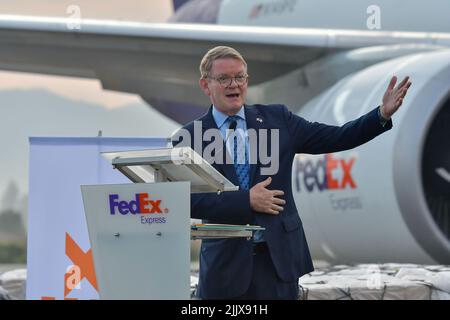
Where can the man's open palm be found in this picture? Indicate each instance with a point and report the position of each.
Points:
(393, 97)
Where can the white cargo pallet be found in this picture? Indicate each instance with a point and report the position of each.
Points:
(377, 282)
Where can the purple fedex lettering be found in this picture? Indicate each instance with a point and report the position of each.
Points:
(313, 174)
(133, 206)
(113, 203)
(140, 205)
(124, 207)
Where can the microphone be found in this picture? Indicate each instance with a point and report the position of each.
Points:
(232, 127)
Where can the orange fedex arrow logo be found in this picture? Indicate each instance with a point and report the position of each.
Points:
(83, 267)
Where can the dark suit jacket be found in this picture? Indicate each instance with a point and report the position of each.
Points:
(226, 264)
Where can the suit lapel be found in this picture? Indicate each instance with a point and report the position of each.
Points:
(256, 122)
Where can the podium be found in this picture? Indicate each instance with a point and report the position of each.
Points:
(139, 232)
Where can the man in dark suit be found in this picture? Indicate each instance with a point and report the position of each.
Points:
(269, 265)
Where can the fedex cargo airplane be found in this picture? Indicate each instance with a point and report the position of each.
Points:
(328, 61)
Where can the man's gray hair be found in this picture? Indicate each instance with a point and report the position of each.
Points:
(220, 52)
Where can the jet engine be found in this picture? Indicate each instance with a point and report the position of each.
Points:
(389, 198)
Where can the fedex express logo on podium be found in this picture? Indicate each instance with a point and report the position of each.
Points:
(142, 204)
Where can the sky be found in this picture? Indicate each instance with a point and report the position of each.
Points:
(19, 90)
(133, 10)
(84, 89)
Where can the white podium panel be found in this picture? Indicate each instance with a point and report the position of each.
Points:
(140, 238)
(170, 164)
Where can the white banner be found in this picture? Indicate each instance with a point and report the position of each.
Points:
(59, 257)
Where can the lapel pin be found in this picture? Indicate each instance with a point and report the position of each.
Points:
(259, 120)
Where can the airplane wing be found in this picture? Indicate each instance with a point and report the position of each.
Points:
(160, 61)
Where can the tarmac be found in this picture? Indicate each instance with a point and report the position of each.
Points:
(389, 281)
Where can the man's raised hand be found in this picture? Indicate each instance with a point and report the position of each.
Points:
(393, 97)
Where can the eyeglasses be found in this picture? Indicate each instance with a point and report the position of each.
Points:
(226, 81)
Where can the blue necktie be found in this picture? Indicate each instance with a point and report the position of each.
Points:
(240, 157)
(242, 167)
